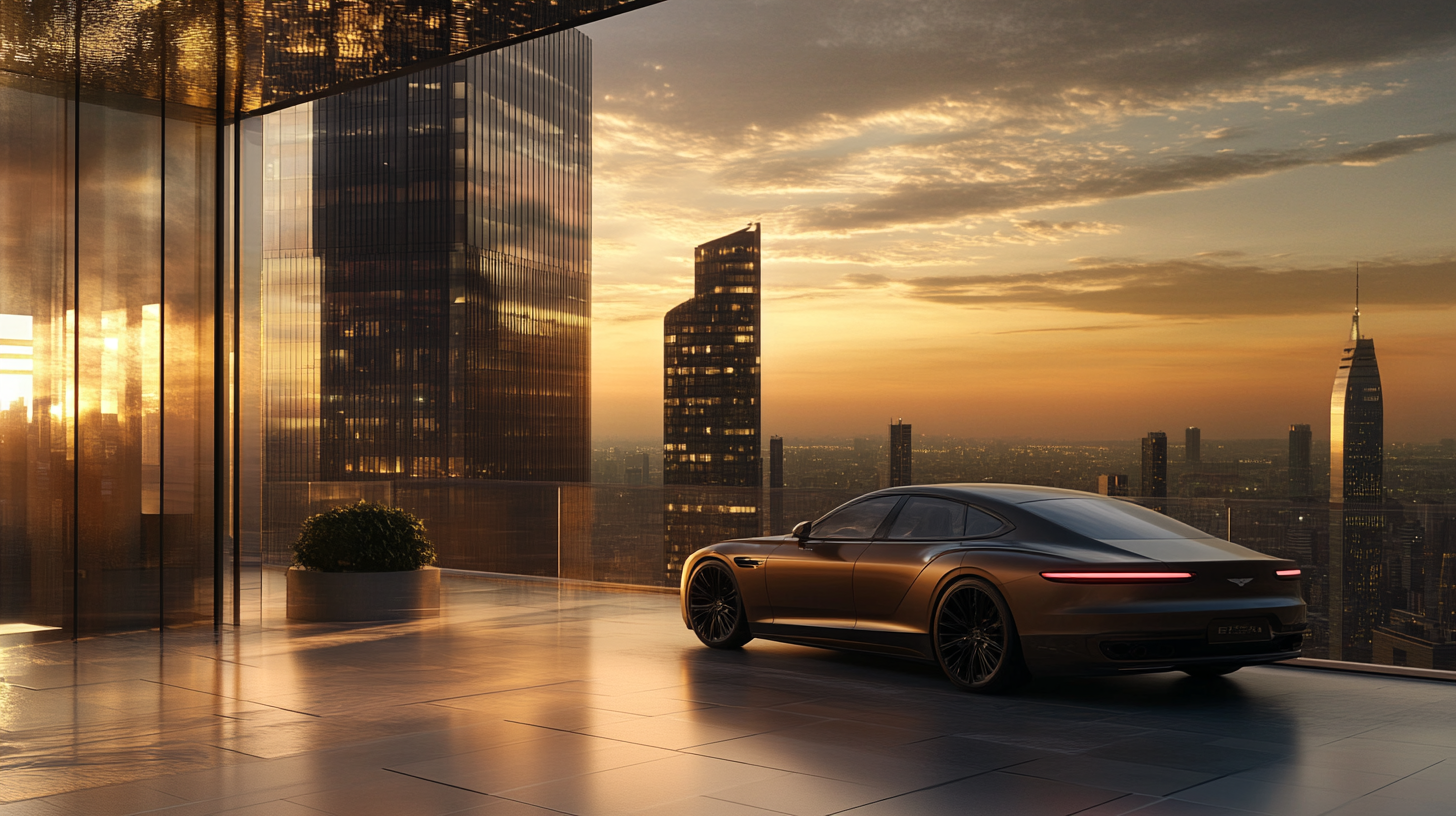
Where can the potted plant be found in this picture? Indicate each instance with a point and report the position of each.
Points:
(363, 562)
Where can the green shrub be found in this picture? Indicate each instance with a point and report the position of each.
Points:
(363, 537)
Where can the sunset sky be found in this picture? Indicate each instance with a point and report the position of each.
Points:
(1066, 220)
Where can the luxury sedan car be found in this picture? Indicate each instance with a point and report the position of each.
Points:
(996, 583)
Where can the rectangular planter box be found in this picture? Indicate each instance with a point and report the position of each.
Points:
(345, 597)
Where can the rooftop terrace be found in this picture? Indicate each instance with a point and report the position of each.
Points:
(539, 698)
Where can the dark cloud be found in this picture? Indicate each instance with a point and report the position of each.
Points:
(1086, 182)
(735, 71)
(1197, 289)
(866, 280)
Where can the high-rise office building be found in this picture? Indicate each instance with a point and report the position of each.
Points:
(901, 449)
(776, 485)
(1301, 472)
(1357, 459)
(711, 465)
(1155, 466)
(1112, 484)
(426, 321)
(455, 331)
(1193, 446)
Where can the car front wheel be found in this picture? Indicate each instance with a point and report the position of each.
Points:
(975, 638)
(715, 608)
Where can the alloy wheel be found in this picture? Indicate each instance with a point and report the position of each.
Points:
(972, 636)
(714, 608)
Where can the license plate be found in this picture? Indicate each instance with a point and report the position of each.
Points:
(1241, 630)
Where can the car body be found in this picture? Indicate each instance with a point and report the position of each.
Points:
(1090, 584)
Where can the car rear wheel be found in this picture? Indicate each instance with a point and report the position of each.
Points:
(975, 638)
(1211, 670)
(715, 608)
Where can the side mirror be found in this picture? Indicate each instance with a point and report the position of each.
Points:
(801, 531)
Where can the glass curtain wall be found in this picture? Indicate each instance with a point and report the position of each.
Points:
(129, 193)
(426, 289)
(108, 218)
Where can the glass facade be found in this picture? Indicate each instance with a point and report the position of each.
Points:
(131, 335)
(712, 461)
(427, 291)
(107, 387)
(902, 450)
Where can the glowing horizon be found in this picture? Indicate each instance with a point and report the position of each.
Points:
(1004, 220)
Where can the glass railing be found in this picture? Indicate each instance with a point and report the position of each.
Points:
(1380, 581)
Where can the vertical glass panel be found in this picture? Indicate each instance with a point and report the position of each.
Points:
(185, 520)
(119, 264)
(35, 354)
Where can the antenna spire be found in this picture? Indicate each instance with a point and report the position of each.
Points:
(1355, 322)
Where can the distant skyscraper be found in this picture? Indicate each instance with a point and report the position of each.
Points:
(900, 451)
(1357, 433)
(1155, 466)
(1112, 484)
(711, 389)
(776, 485)
(1301, 473)
(1193, 446)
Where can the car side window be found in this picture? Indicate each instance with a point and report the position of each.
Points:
(924, 517)
(858, 520)
(980, 523)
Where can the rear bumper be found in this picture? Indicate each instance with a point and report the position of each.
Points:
(1134, 653)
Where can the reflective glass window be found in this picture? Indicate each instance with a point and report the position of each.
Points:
(924, 517)
(1111, 520)
(858, 520)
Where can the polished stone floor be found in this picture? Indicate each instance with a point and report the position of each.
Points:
(539, 699)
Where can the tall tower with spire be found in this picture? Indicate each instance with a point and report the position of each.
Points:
(1357, 440)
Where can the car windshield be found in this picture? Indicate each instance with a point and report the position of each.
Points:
(1111, 520)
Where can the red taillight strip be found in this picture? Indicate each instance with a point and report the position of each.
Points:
(1117, 577)
(1286, 574)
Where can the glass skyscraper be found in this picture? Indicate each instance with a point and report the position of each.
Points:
(901, 453)
(1301, 471)
(1155, 466)
(427, 294)
(712, 460)
(1357, 436)
(446, 247)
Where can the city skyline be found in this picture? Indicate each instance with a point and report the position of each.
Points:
(1167, 232)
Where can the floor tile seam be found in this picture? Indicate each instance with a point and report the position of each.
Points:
(1355, 735)
(917, 790)
(689, 752)
(234, 699)
(1386, 785)
(745, 804)
(129, 736)
(488, 693)
(469, 790)
(1173, 795)
(1163, 799)
(1110, 801)
(682, 750)
(1105, 787)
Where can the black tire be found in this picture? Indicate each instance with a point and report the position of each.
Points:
(715, 608)
(1210, 670)
(975, 638)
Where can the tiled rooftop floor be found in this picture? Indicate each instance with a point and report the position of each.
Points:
(538, 699)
